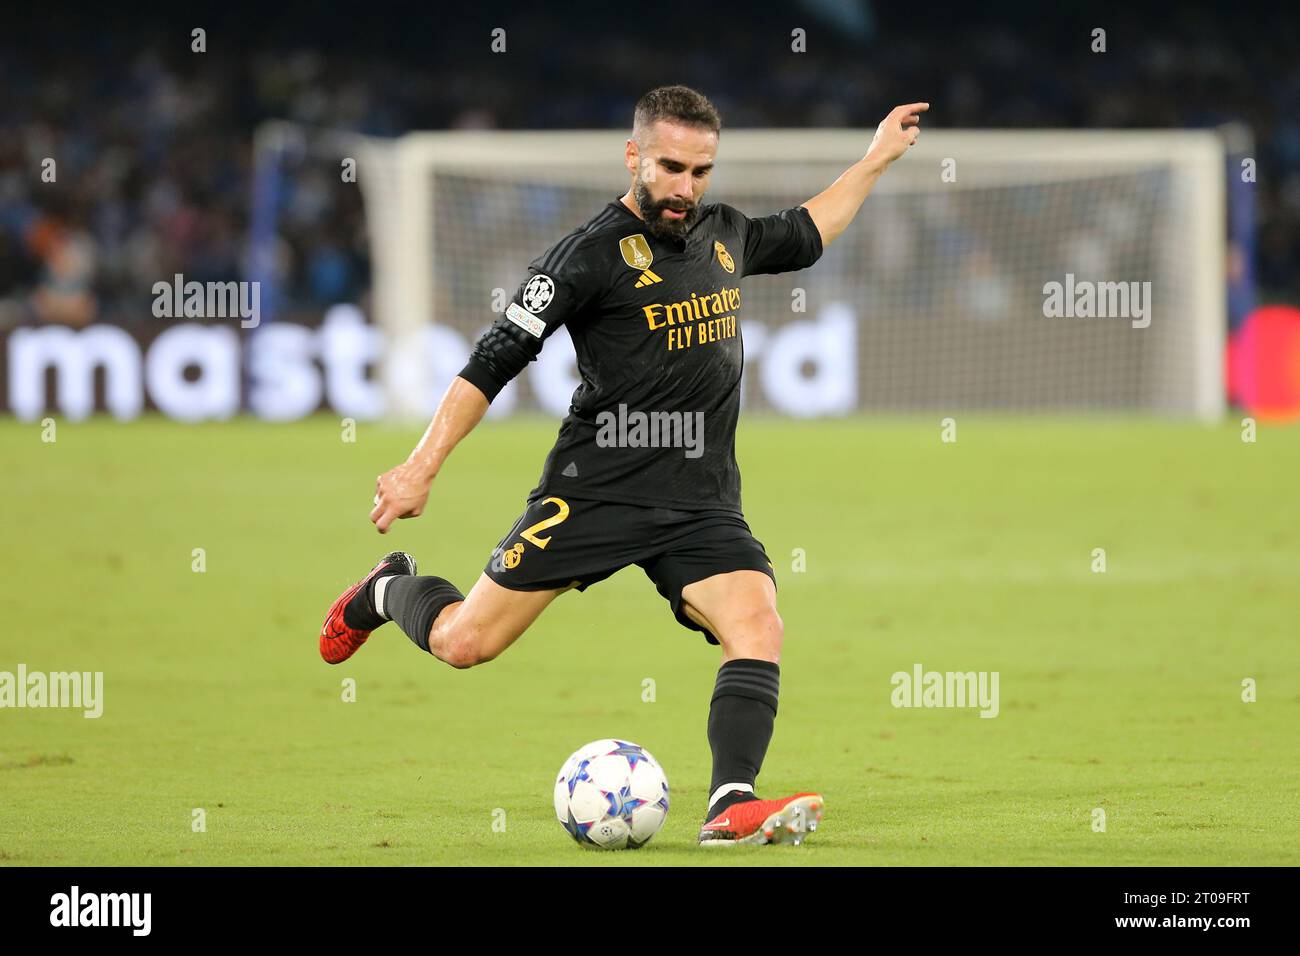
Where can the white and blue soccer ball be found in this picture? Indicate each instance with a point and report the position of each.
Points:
(611, 794)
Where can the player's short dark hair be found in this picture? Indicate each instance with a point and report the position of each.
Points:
(677, 104)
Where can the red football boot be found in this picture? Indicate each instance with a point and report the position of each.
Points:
(338, 642)
(757, 822)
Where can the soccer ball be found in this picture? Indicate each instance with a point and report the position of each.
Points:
(611, 794)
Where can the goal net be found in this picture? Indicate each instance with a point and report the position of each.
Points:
(992, 270)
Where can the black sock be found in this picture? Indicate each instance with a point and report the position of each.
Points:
(360, 612)
(415, 603)
(741, 717)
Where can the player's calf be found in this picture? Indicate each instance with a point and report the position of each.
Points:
(416, 604)
(489, 619)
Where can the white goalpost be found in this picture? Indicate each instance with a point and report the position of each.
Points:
(945, 294)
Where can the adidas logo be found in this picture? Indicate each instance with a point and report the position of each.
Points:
(571, 470)
(647, 278)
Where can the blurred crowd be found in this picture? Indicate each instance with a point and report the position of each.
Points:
(151, 142)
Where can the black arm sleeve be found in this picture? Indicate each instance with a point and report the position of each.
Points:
(498, 356)
(543, 302)
(784, 242)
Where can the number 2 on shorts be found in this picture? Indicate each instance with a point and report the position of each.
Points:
(529, 534)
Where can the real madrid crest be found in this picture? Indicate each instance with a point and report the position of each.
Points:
(724, 256)
(510, 557)
(636, 251)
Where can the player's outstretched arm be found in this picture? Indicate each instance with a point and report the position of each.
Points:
(834, 207)
(403, 491)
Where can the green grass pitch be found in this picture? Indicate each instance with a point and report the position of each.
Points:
(1119, 691)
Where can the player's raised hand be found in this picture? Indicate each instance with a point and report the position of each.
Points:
(897, 132)
(400, 492)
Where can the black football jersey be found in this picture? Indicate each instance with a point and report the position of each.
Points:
(656, 327)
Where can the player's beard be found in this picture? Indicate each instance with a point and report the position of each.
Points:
(659, 225)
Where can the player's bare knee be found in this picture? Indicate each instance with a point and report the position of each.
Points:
(458, 644)
(770, 632)
(756, 635)
(463, 652)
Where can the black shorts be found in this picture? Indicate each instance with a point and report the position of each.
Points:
(576, 542)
